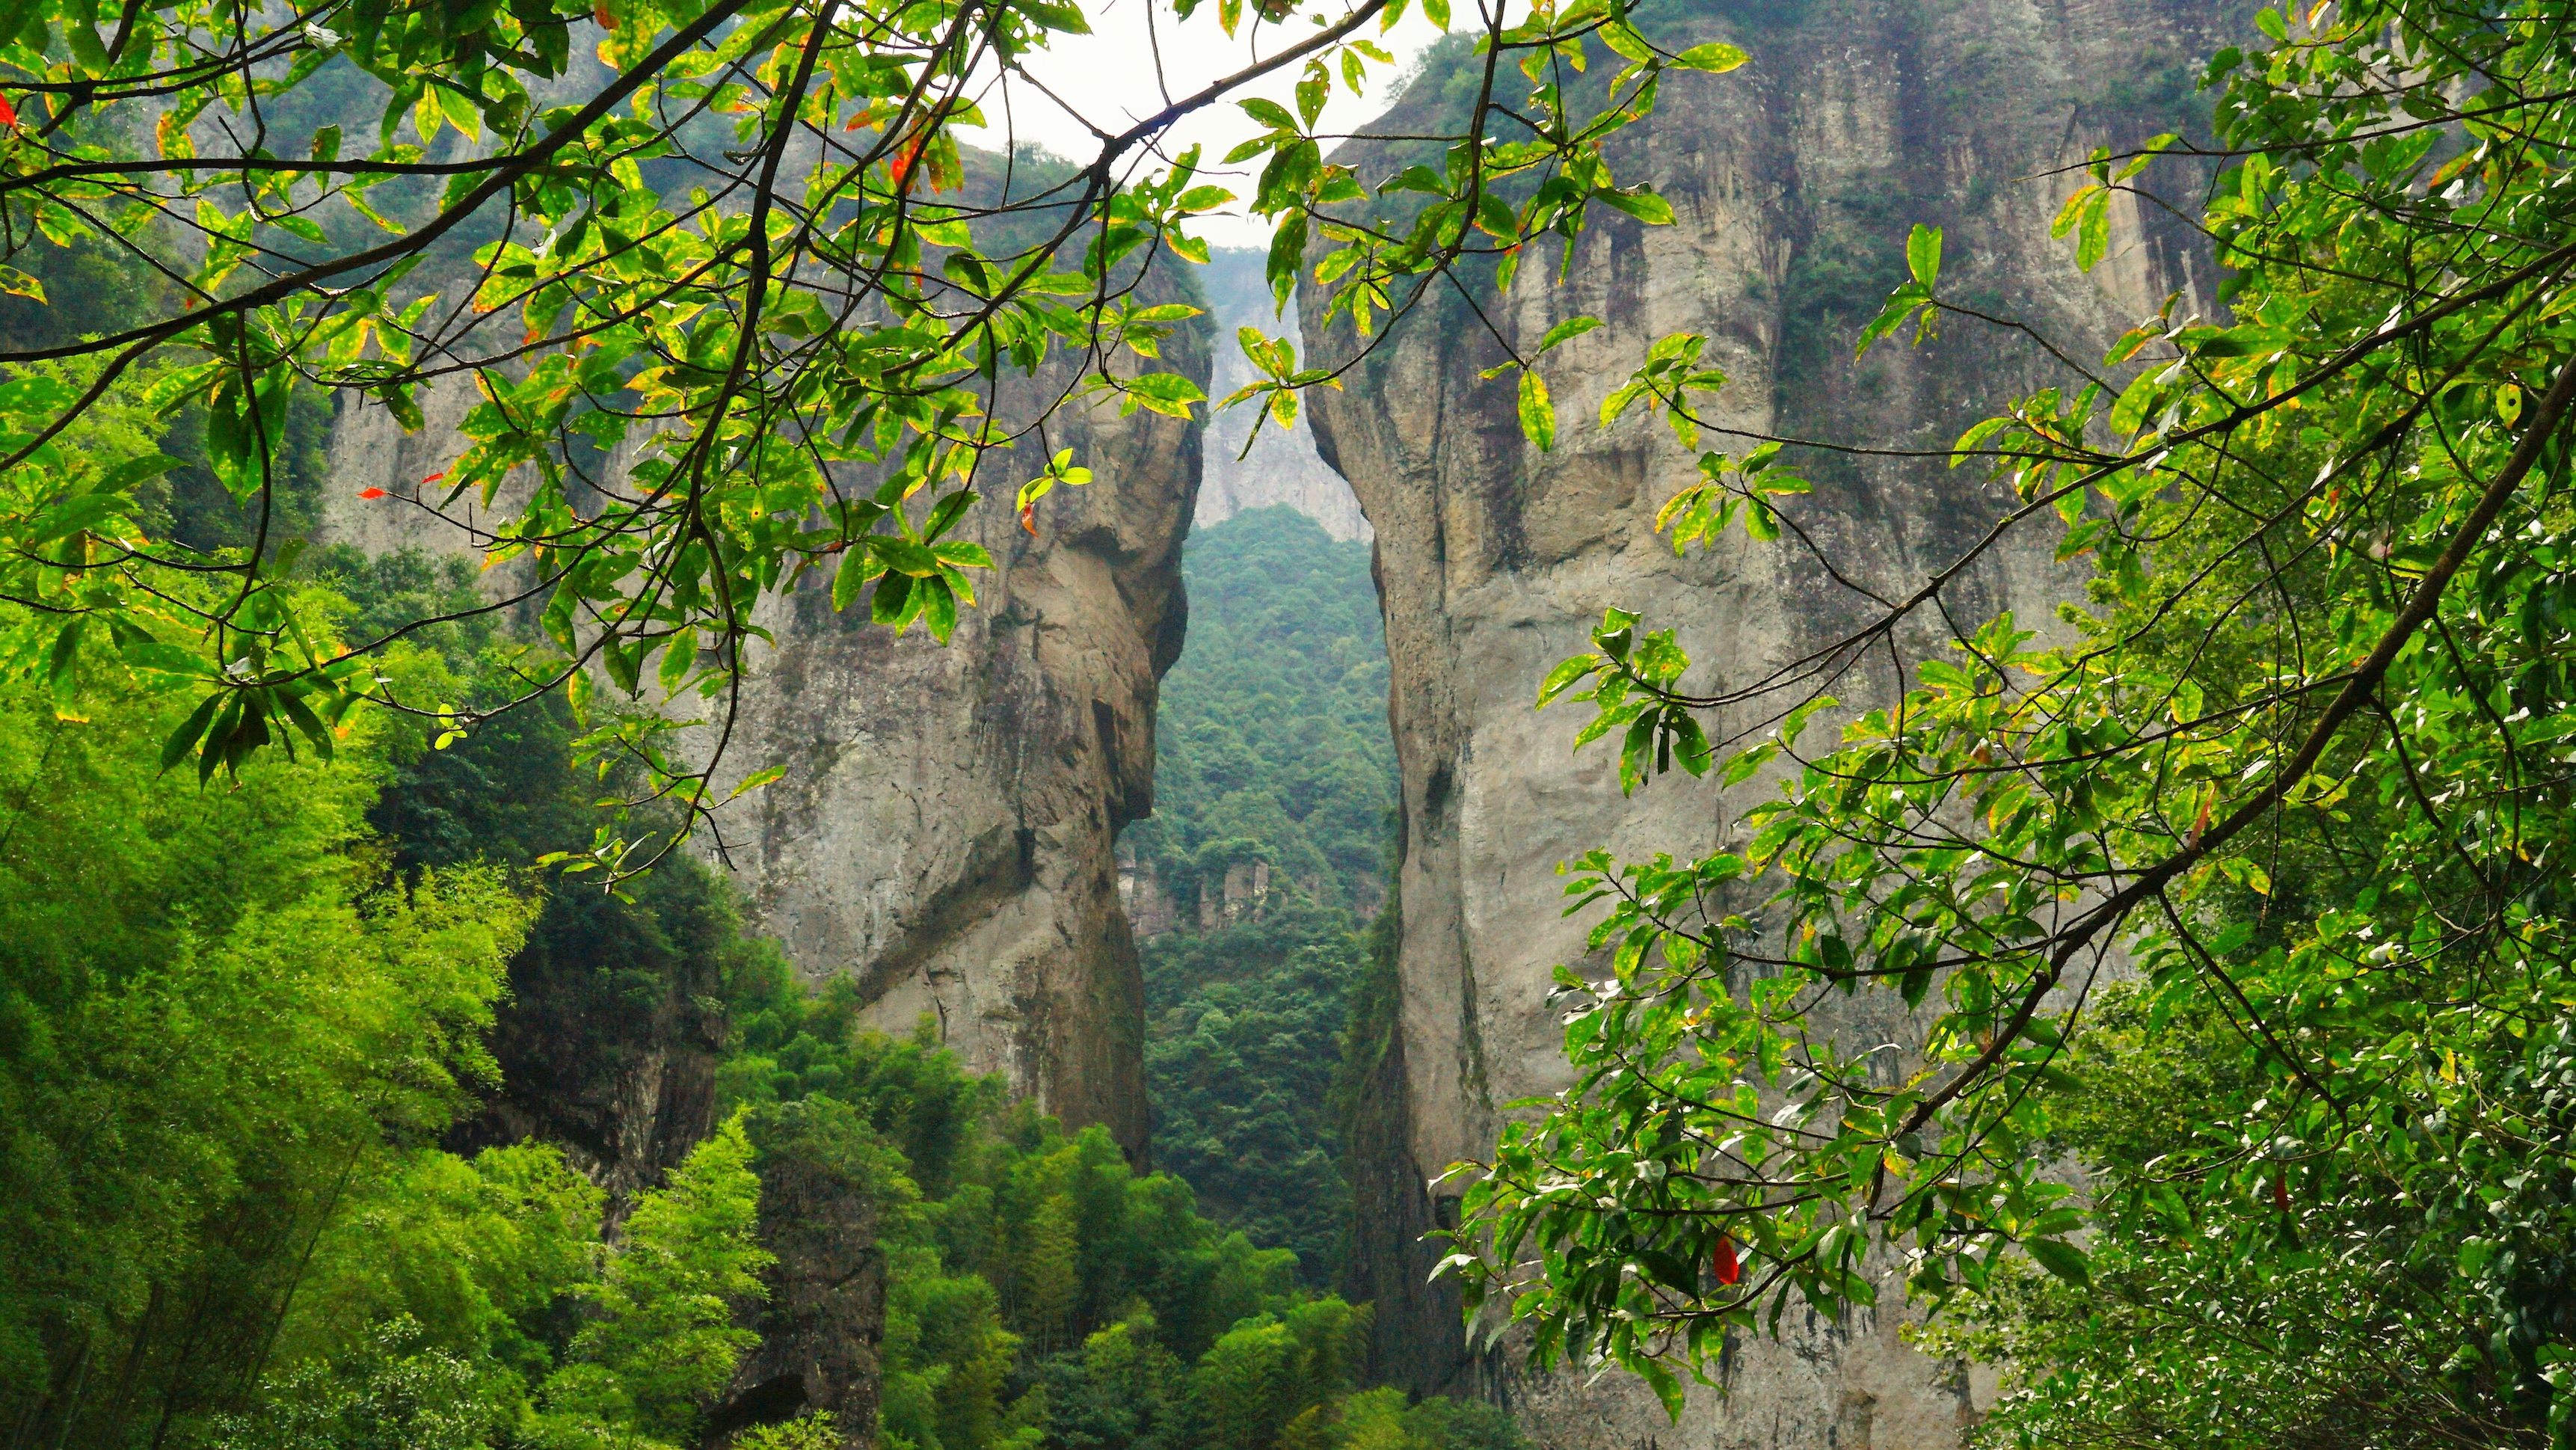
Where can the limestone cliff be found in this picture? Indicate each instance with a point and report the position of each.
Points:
(1794, 181)
(947, 829)
(1282, 466)
(945, 832)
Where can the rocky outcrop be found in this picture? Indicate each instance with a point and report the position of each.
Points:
(1282, 466)
(945, 831)
(824, 1182)
(1794, 181)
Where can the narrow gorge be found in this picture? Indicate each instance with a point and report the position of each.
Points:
(948, 835)
(1131, 1001)
(1090, 1008)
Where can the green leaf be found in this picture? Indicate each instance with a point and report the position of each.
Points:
(1914, 985)
(1570, 328)
(904, 556)
(678, 658)
(892, 603)
(1269, 113)
(1923, 255)
(2064, 1260)
(66, 651)
(2093, 233)
(18, 284)
(1565, 676)
(938, 607)
(1065, 19)
(1713, 57)
(1287, 254)
(1645, 206)
(623, 666)
(184, 739)
(1901, 304)
(1667, 1387)
(302, 717)
(756, 780)
(856, 568)
(945, 516)
(1164, 393)
(1538, 414)
(219, 736)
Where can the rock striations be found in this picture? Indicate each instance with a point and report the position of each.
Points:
(946, 829)
(1794, 181)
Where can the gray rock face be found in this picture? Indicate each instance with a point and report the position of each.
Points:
(947, 829)
(1794, 181)
(1282, 466)
(945, 832)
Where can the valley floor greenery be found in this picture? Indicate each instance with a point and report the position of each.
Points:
(241, 1123)
(1271, 745)
(1271, 736)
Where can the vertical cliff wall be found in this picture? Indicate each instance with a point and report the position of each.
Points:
(1794, 181)
(945, 832)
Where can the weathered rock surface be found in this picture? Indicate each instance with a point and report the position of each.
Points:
(1794, 181)
(1282, 466)
(946, 829)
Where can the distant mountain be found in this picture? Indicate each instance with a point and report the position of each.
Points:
(1273, 771)
(1283, 466)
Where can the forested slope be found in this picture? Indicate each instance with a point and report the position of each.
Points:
(1271, 742)
(1271, 748)
(395, 1229)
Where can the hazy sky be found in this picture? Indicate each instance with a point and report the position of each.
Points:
(1108, 77)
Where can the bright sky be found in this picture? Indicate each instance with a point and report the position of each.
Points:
(1108, 77)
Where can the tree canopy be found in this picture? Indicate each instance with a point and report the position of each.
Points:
(733, 284)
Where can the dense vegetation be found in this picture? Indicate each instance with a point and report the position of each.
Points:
(1271, 742)
(235, 1037)
(1046, 1295)
(2301, 755)
(1245, 1032)
(1271, 745)
(754, 250)
(341, 1244)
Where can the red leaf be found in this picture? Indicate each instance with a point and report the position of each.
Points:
(1728, 1270)
(599, 12)
(8, 113)
(435, 477)
(1029, 519)
(2281, 1192)
(371, 493)
(904, 158)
